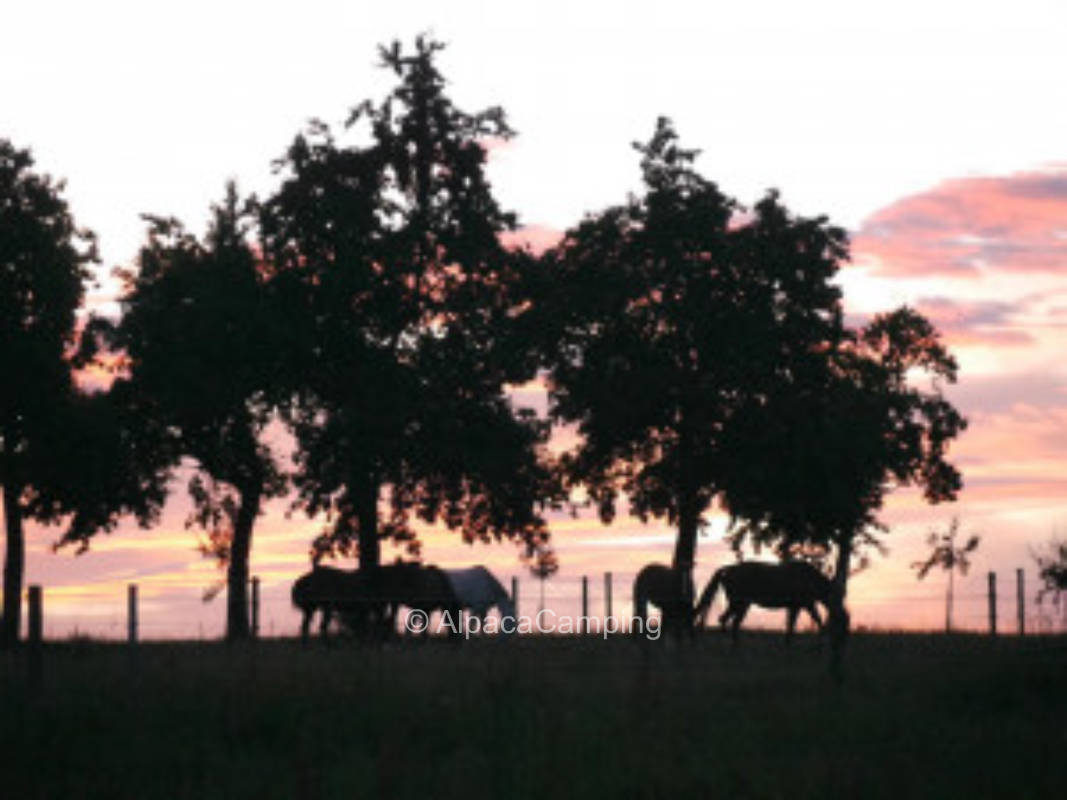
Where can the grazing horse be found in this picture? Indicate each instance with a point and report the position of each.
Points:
(421, 588)
(792, 585)
(671, 590)
(330, 591)
(477, 590)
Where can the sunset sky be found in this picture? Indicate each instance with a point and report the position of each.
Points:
(935, 132)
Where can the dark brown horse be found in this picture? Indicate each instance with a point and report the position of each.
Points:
(671, 590)
(422, 589)
(366, 600)
(792, 585)
(330, 591)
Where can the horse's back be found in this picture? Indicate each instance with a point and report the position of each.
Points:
(774, 584)
(472, 582)
(653, 575)
(322, 583)
(415, 585)
(478, 589)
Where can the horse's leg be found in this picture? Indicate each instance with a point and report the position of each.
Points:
(738, 618)
(458, 631)
(791, 622)
(305, 625)
(813, 612)
(639, 630)
(386, 620)
(425, 635)
(724, 617)
(324, 625)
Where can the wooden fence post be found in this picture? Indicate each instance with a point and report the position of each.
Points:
(992, 604)
(607, 598)
(131, 613)
(584, 627)
(255, 607)
(1020, 600)
(515, 594)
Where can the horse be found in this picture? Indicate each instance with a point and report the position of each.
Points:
(422, 589)
(671, 590)
(477, 590)
(792, 585)
(330, 591)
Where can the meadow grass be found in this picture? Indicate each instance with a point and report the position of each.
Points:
(539, 717)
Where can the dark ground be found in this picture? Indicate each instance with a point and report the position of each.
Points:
(539, 717)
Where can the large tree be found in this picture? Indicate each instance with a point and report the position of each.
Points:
(200, 338)
(664, 317)
(44, 260)
(399, 296)
(820, 454)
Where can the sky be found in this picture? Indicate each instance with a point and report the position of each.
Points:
(936, 132)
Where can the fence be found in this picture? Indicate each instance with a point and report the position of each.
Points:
(570, 604)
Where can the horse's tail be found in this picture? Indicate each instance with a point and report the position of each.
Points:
(707, 596)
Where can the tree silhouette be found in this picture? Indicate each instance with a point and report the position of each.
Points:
(198, 332)
(543, 564)
(110, 456)
(945, 554)
(662, 318)
(816, 457)
(399, 297)
(44, 260)
(1052, 569)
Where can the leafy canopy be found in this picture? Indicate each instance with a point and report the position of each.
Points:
(199, 341)
(670, 314)
(44, 265)
(399, 296)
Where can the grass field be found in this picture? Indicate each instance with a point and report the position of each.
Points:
(539, 717)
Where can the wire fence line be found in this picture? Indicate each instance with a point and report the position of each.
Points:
(588, 604)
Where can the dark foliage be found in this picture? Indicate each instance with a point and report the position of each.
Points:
(44, 259)
(398, 294)
(199, 335)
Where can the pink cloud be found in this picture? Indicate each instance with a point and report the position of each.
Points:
(991, 323)
(963, 227)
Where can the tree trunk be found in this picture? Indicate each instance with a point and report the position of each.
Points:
(688, 512)
(370, 551)
(685, 548)
(237, 575)
(14, 565)
(844, 564)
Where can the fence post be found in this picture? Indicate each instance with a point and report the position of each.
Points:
(584, 628)
(255, 607)
(131, 613)
(992, 604)
(1020, 600)
(35, 631)
(607, 598)
(515, 594)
